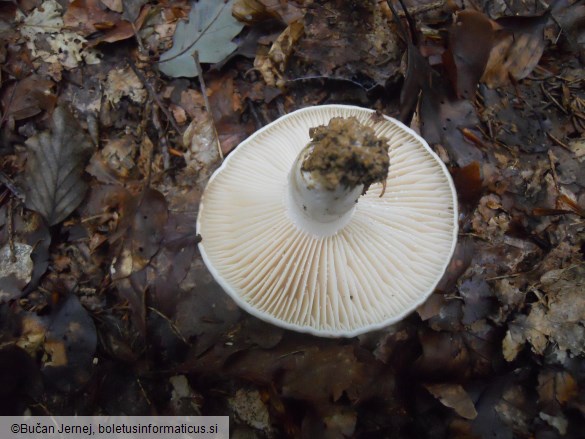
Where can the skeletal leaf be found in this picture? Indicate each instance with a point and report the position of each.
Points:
(208, 32)
(53, 176)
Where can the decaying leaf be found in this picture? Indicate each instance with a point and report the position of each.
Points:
(124, 82)
(54, 168)
(208, 32)
(15, 270)
(559, 322)
(251, 409)
(455, 397)
(345, 40)
(273, 64)
(200, 139)
(44, 26)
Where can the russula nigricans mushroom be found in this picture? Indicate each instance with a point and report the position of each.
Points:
(322, 240)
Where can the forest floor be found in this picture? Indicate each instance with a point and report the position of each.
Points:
(105, 304)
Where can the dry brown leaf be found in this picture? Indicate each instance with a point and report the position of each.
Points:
(123, 82)
(519, 44)
(273, 64)
(454, 396)
(254, 11)
(28, 97)
(555, 389)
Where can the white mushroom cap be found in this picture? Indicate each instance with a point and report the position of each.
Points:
(375, 266)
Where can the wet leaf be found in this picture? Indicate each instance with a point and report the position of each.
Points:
(20, 380)
(470, 43)
(208, 32)
(54, 171)
(70, 345)
(148, 227)
(469, 183)
(455, 397)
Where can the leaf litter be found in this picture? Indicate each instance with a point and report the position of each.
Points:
(112, 299)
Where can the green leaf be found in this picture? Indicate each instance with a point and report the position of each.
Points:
(53, 176)
(209, 32)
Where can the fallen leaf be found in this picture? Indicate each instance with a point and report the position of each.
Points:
(15, 270)
(114, 5)
(350, 41)
(146, 232)
(44, 27)
(89, 16)
(470, 43)
(249, 407)
(454, 396)
(20, 380)
(208, 32)
(272, 65)
(124, 83)
(469, 183)
(254, 11)
(70, 346)
(555, 390)
(28, 97)
(53, 176)
(519, 44)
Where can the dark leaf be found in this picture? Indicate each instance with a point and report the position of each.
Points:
(148, 227)
(70, 345)
(19, 379)
(468, 182)
(54, 168)
(28, 98)
(470, 42)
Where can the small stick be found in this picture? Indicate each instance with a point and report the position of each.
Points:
(162, 138)
(206, 100)
(154, 96)
(558, 142)
(6, 181)
(548, 95)
(11, 230)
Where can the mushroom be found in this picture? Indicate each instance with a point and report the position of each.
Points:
(299, 244)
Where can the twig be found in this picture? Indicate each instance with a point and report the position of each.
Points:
(548, 95)
(11, 230)
(6, 181)
(162, 138)
(154, 96)
(558, 142)
(551, 159)
(206, 100)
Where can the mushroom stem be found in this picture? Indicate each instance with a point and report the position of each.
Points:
(332, 171)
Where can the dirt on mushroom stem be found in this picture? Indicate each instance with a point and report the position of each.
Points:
(346, 153)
